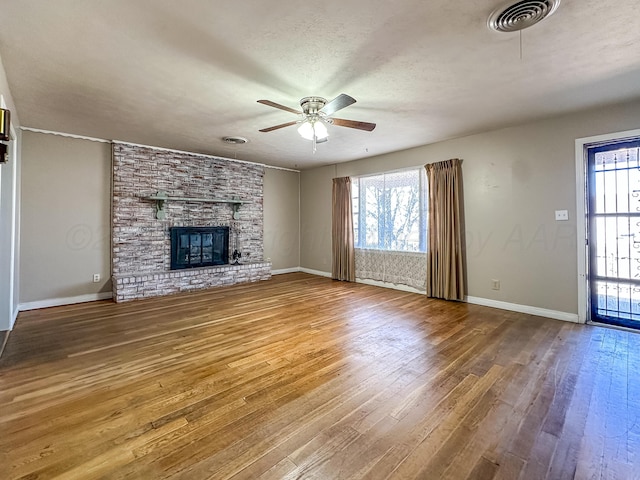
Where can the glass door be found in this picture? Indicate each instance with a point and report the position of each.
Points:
(614, 233)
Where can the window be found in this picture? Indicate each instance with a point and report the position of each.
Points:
(389, 211)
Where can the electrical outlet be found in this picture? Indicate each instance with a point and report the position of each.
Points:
(495, 284)
(96, 277)
(562, 215)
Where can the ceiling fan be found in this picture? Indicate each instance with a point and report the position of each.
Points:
(316, 115)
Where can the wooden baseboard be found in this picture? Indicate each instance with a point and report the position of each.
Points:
(285, 270)
(57, 302)
(4, 336)
(540, 312)
(513, 307)
(316, 272)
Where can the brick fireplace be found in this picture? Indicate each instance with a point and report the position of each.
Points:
(141, 244)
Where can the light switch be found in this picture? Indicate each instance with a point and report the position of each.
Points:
(562, 215)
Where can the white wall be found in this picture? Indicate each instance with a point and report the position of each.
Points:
(514, 180)
(66, 204)
(282, 218)
(9, 216)
(315, 218)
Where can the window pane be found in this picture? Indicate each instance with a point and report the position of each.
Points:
(389, 211)
(372, 191)
(403, 210)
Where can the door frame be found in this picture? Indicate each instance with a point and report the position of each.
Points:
(582, 144)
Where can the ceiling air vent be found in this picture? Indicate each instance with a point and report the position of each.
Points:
(513, 17)
(235, 140)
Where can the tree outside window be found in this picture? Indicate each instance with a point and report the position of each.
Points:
(389, 211)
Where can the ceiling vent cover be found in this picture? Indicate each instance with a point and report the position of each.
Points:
(520, 15)
(235, 140)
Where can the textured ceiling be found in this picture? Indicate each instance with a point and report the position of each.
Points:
(183, 75)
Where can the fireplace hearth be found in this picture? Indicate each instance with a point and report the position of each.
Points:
(196, 247)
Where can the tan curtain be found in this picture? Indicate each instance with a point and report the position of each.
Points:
(344, 264)
(445, 273)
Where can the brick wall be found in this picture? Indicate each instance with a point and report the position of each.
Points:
(141, 243)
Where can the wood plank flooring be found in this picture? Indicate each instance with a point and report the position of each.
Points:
(302, 377)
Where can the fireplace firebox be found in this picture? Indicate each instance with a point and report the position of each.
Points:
(193, 247)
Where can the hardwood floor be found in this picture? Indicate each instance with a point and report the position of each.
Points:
(303, 377)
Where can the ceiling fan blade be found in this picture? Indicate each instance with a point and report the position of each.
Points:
(276, 127)
(281, 107)
(341, 122)
(338, 103)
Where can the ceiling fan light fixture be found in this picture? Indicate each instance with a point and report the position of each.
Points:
(315, 115)
(320, 129)
(313, 128)
(306, 130)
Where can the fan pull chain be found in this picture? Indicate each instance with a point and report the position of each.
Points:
(520, 44)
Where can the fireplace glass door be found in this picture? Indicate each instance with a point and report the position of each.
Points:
(199, 246)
